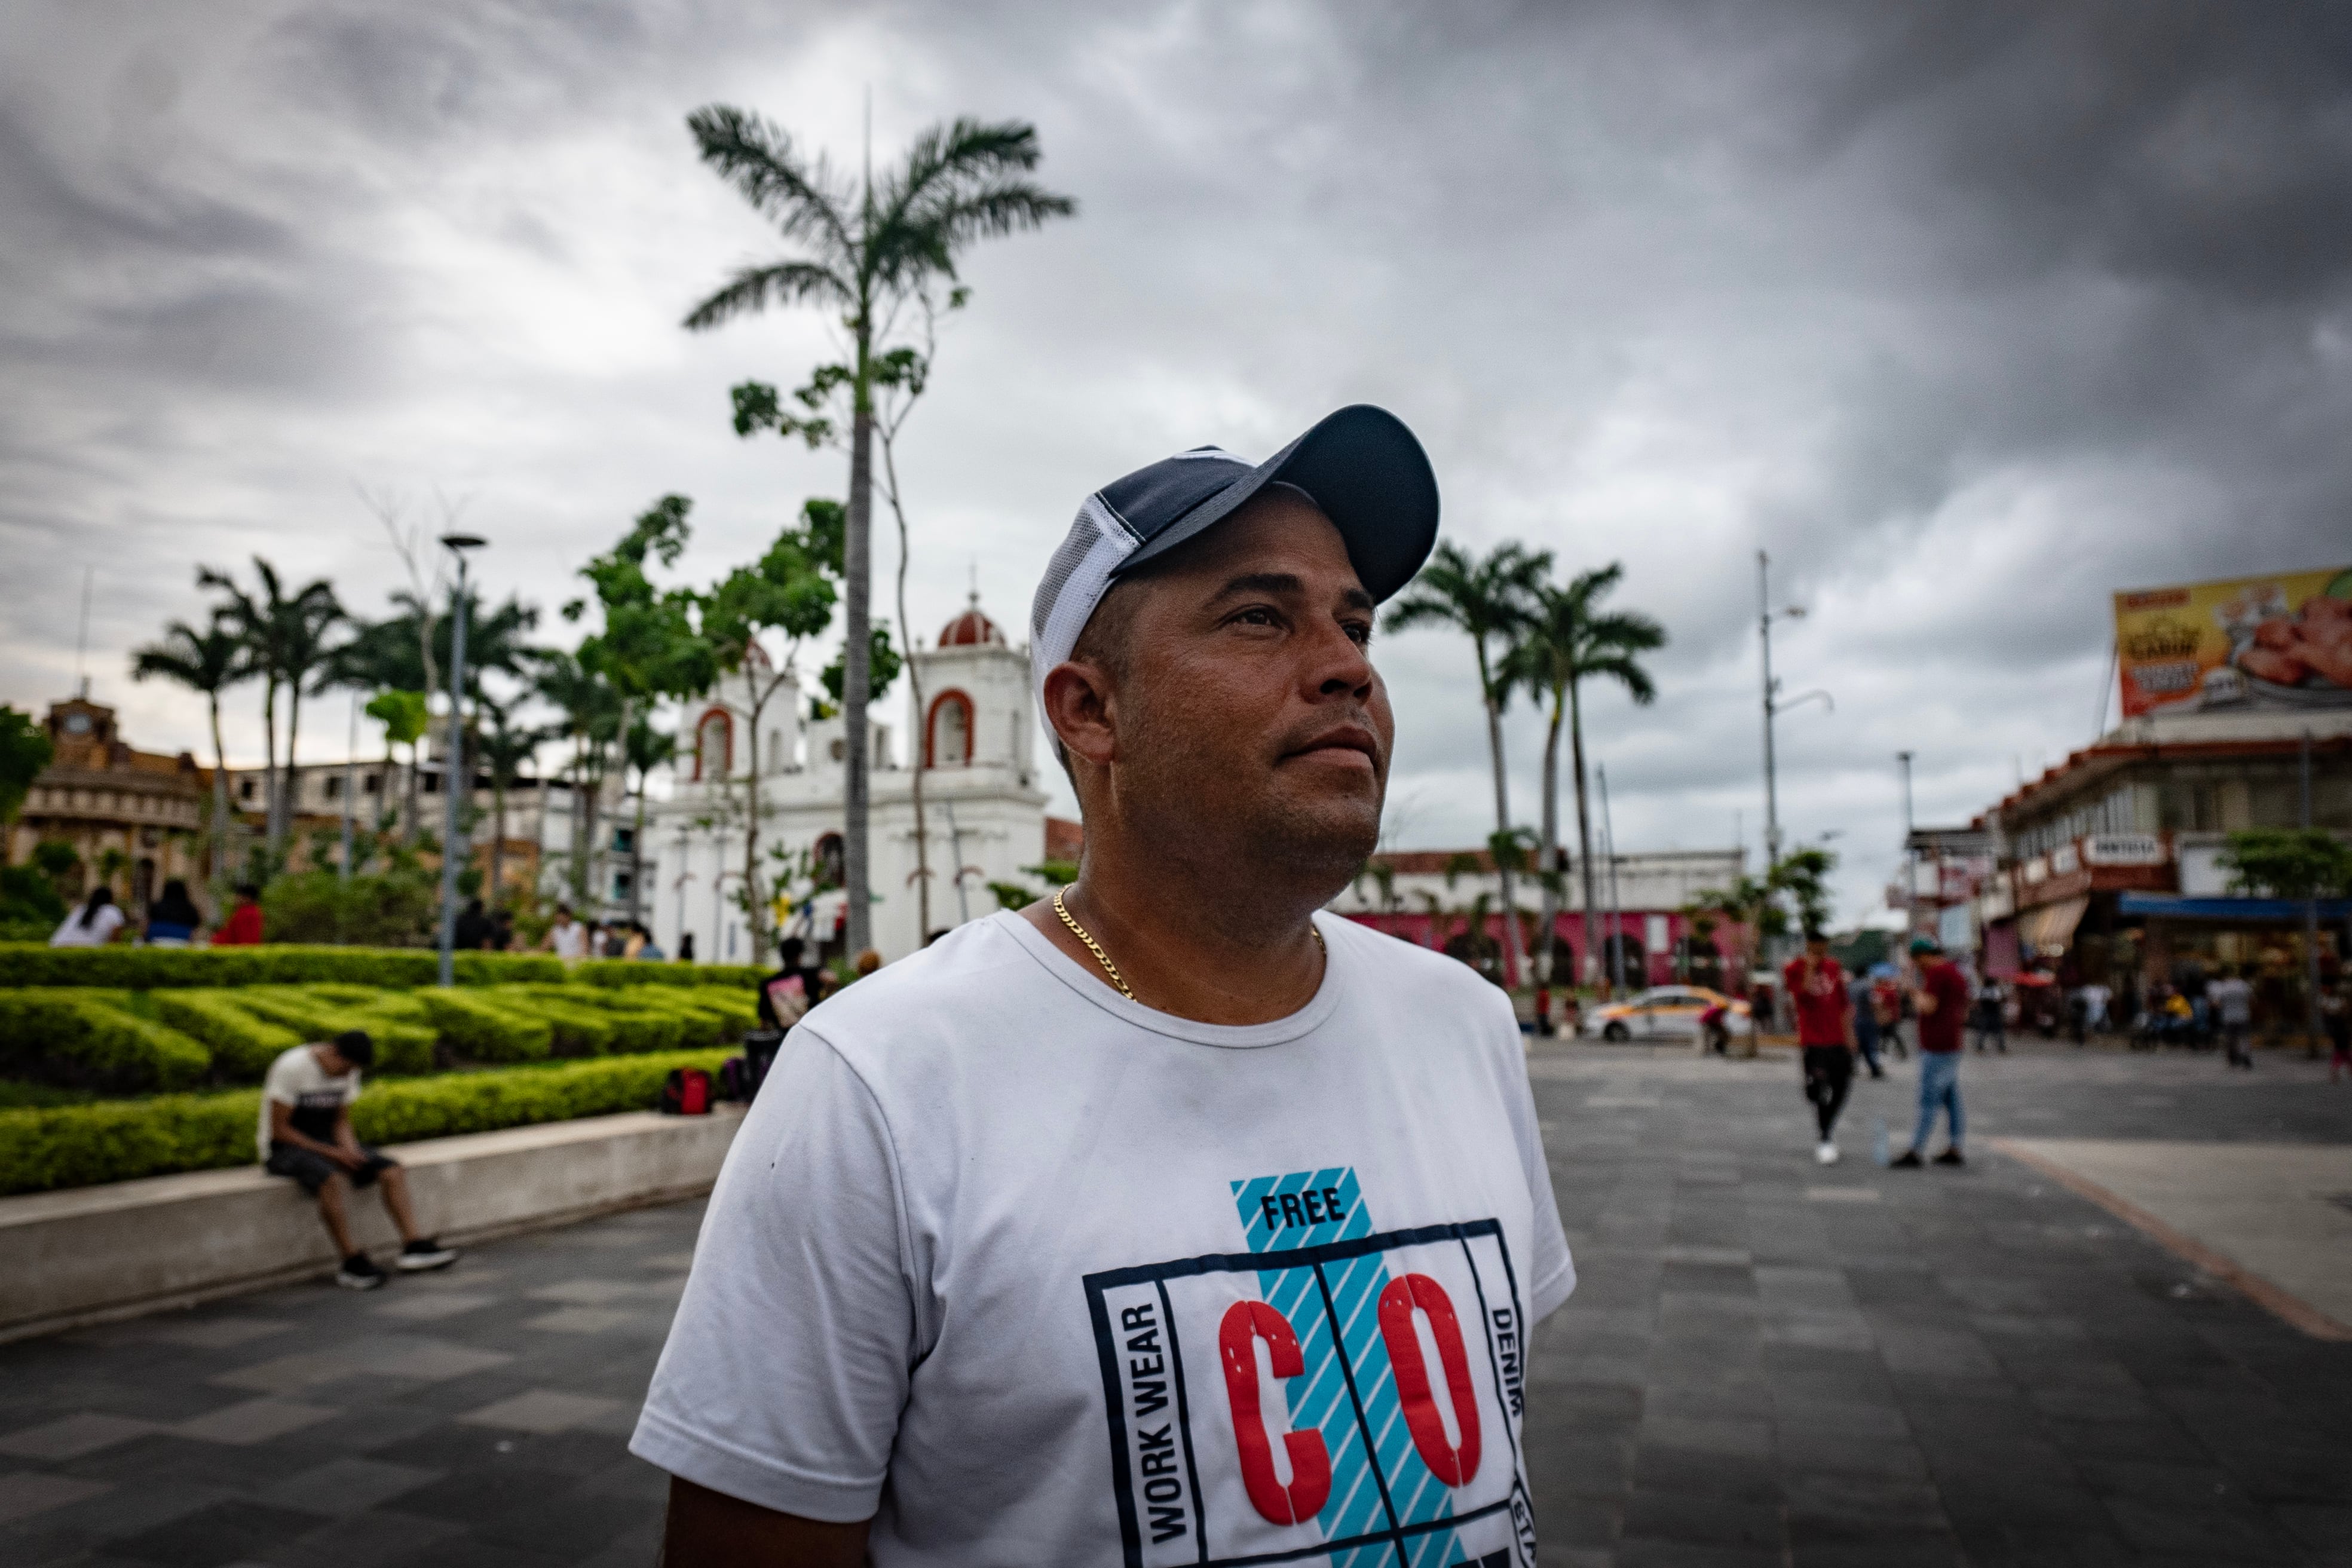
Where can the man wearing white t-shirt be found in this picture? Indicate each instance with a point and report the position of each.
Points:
(1169, 1221)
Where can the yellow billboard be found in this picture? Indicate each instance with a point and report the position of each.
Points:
(2280, 641)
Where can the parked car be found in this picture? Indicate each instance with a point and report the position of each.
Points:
(1661, 1013)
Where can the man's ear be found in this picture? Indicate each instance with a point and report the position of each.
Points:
(1079, 699)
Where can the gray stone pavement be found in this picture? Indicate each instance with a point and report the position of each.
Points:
(1766, 1362)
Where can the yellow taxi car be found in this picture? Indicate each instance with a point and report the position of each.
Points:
(1661, 1013)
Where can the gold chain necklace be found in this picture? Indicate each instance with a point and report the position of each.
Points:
(1103, 958)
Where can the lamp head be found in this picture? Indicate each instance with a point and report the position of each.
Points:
(462, 542)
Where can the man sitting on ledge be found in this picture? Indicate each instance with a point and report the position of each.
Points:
(306, 1133)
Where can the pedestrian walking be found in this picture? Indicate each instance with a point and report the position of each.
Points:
(1866, 1024)
(2336, 1017)
(1816, 985)
(1941, 1000)
(1001, 1267)
(1887, 1006)
(1990, 1017)
(2232, 1002)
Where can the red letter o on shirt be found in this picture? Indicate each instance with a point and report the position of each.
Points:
(1453, 1466)
(1245, 1324)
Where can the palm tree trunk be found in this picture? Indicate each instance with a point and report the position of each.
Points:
(637, 832)
(1583, 828)
(289, 781)
(497, 833)
(220, 797)
(1550, 920)
(1502, 809)
(858, 571)
(269, 768)
(919, 743)
(753, 904)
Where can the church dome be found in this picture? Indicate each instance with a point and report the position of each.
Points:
(971, 629)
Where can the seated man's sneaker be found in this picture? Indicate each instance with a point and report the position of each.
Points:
(425, 1253)
(359, 1272)
(1827, 1153)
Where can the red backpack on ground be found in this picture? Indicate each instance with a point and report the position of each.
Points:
(685, 1092)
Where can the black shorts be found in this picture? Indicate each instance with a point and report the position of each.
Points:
(313, 1170)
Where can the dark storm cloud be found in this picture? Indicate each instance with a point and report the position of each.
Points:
(1970, 314)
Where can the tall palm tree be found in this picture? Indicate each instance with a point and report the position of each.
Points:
(503, 746)
(1573, 640)
(1492, 602)
(285, 636)
(208, 662)
(590, 719)
(869, 248)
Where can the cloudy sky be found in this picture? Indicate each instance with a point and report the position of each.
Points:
(1969, 314)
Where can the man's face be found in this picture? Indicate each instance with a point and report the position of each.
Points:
(1816, 950)
(1249, 722)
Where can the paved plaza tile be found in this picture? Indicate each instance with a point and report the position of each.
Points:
(1766, 1361)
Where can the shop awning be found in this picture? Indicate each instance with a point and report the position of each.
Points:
(2174, 907)
(2051, 927)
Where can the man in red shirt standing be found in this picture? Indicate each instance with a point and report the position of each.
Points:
(1817, 988)
(1941, 998)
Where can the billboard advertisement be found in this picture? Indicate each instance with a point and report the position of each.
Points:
(2283, 641)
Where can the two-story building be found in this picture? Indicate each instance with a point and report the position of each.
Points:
(136, 818)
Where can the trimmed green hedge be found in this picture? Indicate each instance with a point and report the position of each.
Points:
(242, 1044)
(82, 1145)
(90, 1039)
(277, 963)
(403, 1035)
(485, 1027)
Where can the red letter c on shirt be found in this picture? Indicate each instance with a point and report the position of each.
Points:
(1450, 1464)
(1245, 1324)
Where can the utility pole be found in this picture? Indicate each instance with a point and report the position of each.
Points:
(2310, 925)
(455, 778)
(1910, 871)
(1771, 783)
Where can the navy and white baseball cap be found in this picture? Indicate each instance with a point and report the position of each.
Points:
(1360, 466)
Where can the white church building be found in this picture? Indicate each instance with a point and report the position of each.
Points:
(974, 737)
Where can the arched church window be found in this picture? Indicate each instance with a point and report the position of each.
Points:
(948, 743)
(714, 745)
(832, 866)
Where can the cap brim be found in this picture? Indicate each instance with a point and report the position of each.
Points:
(1367, 473)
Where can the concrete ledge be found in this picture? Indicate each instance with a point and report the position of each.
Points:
(91, 1254)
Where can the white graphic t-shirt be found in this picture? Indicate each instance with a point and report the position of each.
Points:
(296, 1079)
(1030, 1273)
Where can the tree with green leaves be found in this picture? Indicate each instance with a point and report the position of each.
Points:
(405, 716)
(789, 592)
(207, 662)
(649, 647)
(2288, 863)
(25, 751)
(1492, 602)
(1569, 640)
(867, 250)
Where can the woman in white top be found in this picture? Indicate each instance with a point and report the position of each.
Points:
(92, 925)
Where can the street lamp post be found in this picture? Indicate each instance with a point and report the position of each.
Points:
(454, 774)
(2310, 924)
(1910, 872)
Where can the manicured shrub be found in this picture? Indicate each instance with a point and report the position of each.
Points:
(242, 1044)
(485, 1028)
(82, 1145)
(92, 1039)
(403, 1035)
(579, 1028)
(156, 968)
(624, 971)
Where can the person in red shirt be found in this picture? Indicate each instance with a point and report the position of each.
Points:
(1817, 989)
(243, 927)
(1941, 999)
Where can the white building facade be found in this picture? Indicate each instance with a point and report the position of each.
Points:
(973, 738)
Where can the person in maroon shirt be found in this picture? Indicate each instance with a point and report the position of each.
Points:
(1817, 989)
(1941, 999)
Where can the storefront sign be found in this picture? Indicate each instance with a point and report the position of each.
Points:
(2282, 642)
(2124, 849)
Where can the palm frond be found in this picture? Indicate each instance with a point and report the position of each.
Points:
(752, 289)
(757, 157)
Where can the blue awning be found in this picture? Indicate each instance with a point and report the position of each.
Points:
(2173, 906)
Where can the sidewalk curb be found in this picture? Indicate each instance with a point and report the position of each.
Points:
(2291, 1309)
